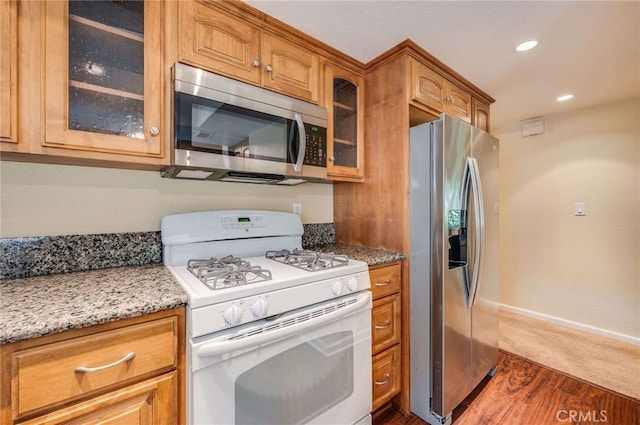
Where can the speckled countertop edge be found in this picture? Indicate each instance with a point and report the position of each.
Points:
(42, 305)
(36, 306)
(371, 256)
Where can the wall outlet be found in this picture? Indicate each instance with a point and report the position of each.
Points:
(297, 209)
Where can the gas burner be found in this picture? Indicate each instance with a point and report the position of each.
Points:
(227, 272)
(308, 260)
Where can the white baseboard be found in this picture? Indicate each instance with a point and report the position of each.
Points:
(570, 324)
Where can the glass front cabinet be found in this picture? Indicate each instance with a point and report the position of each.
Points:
(344, 100)
(103, 79)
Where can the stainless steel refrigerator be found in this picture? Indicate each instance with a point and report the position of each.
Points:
(453, 264)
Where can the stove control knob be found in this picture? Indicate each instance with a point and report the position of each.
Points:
(233, 315)
(259, 308)
(352, 284)
(336, 288)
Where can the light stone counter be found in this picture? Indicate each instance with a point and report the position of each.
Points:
(371, 256)
(42, 305)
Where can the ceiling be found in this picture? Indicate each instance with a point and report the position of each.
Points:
(590, 49)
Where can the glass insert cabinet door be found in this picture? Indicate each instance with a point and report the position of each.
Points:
(103, 75)
(346, 133)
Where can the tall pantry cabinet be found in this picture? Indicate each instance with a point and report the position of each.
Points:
(406, 86)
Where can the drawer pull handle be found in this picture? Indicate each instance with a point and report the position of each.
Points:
(386, 325)
(386, 379)
(385, 283)
(126, 358)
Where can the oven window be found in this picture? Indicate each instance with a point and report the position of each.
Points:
(212, 126)
(297, 385)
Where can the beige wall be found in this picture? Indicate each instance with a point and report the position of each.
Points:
(42, 200)
(579, 269)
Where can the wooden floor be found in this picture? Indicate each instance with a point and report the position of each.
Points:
(524, 393)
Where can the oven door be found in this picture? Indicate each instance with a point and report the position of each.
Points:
(309, 366)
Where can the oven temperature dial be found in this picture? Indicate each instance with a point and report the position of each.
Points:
(233, 315)
(259, 308)
(336, 288)
(352, 284)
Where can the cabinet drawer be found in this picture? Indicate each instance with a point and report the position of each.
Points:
(149, 402)
(386, 376)
(385, 322)
(385, 280)
(70, 369)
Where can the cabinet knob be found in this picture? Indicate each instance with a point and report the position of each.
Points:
(332, 158)
(256, 63)
(268, 68)
(154, 131)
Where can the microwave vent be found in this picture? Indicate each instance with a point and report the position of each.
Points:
(205, 135)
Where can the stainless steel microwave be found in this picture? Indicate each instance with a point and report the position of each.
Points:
(231, 131)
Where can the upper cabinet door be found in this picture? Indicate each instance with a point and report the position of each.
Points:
(458, 102)
(8, 71)
(438, 94)
(218, 42)
(344, 100)
(103, 76)
(211, 38)
(289, 69)
(428, 87)
(480, 112)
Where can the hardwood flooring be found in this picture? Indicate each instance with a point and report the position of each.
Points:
(525, 393)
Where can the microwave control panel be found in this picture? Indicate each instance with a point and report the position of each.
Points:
(316, 150)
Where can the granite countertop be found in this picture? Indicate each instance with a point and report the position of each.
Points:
(41, 305)
(35, 306)
(371, 256)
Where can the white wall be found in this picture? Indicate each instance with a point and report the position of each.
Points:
(578, 269)
(46, 200)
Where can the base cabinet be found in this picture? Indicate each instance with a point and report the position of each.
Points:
(124, 372)
(386, 333)
(146, 403)
(386, 376)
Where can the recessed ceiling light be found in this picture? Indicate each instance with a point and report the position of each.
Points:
(564, 97)
(526, 45)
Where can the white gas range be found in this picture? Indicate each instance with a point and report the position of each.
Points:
(258, 304)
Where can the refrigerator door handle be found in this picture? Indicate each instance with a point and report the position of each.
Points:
(476, 187)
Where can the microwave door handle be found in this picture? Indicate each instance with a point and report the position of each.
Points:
(298, 158)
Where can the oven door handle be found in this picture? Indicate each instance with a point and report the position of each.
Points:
(226, 346)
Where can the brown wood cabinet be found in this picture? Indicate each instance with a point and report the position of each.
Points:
(480, 112)
(344, 99)
(386, 332)
(221, 43)
(122, 105)
(376, 213)
(129, 371)
(430, 89)
(8, 73)
(91, 88)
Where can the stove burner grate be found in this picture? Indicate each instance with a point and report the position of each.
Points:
(308, 260)
(227, 272)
